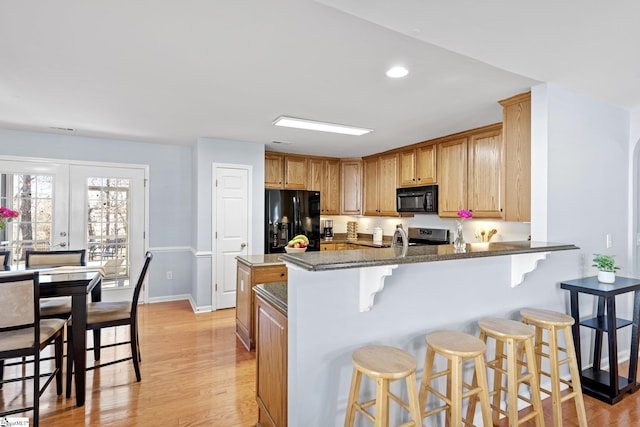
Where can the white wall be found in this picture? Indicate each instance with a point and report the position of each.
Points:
(169, 205)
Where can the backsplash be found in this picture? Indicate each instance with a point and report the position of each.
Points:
(507, 231)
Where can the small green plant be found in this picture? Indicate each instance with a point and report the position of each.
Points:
(605, 263)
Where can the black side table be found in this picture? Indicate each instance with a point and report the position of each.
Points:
(603, 385)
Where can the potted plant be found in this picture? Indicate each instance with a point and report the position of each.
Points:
(606, 268)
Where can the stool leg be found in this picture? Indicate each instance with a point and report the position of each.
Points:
(382, 403)
(414, 402)
(473, 399)
(497, 383)
(481, 376)
(426, 380)
(533, 383)
(575, 378)
(353, 398)
(512, 383)
(455, 410)
(556, 402)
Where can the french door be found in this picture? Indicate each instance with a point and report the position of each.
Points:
(97, 208)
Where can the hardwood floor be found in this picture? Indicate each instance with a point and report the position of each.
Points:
(194, 373)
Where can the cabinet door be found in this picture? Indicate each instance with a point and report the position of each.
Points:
(517, 157)
(485, 167)
(273, 171)
(370, 193)
(327, 246)
(330, 195)
(271, 363)
(426, 164)
(295, 172)
(387, 184)
(408, 168)
(351, 187)
(316, 174)
(243, 305)
(452, 177)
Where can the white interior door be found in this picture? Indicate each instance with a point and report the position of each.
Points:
(231, 206)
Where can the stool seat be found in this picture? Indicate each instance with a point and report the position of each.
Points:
(455, 343)
(457, 348)
(384, 362)
(546, 317)
(506, 328)
(552, 323)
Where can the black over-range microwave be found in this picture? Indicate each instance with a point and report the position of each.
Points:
(417, 199)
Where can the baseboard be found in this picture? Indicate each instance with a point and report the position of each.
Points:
(169, 298)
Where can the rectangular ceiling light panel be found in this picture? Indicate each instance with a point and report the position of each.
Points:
(293, 122)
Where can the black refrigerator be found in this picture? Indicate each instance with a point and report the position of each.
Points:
(289, 213)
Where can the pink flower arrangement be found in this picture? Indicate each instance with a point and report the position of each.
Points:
(464, 214)
(6, 215)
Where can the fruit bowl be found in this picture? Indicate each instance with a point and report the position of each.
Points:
(294, 250)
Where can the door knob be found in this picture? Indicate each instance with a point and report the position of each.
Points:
(63, 244)
(243, 245)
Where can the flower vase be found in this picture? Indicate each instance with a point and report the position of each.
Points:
(459, 245)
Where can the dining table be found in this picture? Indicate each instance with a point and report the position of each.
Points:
(78, 283)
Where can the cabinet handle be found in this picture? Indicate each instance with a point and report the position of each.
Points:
(281, 274)
(419, 179)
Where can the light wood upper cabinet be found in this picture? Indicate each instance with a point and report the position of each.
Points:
(351, 187)
(288, 171)
(273, 170)
(418, 166)
(452, 177)
(380, 183)
(517, 157)
(295, 172)
(484, 174)
(324, 176)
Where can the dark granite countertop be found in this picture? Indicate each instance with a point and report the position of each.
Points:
(260, 260)
(275, 294)
(334, 260)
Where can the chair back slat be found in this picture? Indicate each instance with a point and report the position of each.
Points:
(17, 296)
(141, 279)
(5, 258)
(55, 258)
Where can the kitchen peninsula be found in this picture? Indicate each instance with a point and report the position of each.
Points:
(340, 301)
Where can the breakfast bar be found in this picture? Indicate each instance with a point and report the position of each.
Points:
(340, 301)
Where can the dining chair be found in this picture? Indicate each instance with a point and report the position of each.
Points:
(102, 315)
(59, 307)
(5, 259)
(22, 333)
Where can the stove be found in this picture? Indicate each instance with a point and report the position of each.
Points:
(428, 236)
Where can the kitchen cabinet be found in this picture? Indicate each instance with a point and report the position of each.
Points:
(351, 187)
(324, 176)
(469, 173)
(271, 363)
(452, 177)
(327, 246)
(380, 183)
(516, 134)
(418, 165)
(484, 174)
(288, 171)
(249, 275)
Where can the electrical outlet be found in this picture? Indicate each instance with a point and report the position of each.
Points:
(609, 241)
(169, 275)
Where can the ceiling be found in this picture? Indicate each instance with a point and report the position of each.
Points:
(167, 71)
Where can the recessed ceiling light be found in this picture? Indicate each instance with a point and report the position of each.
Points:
(293, 122)
(397, 72)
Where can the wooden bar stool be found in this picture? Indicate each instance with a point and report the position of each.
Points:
(554, 322)
(518, 339)
(456, 347)
(383, 364)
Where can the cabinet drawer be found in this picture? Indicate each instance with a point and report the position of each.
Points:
(275, 273)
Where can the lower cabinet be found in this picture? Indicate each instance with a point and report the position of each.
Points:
(247, 277)
(271, 364)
